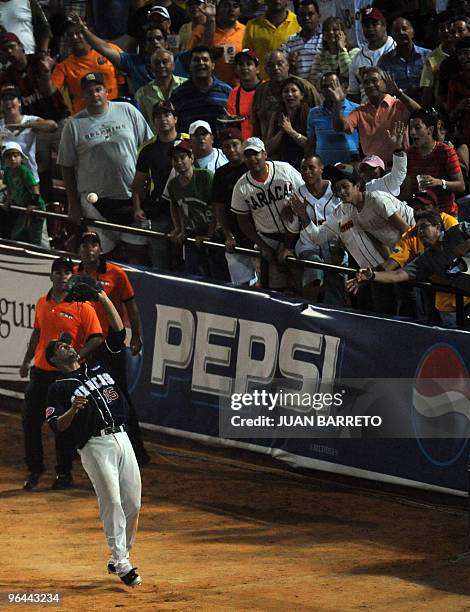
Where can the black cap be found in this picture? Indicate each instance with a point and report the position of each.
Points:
(49, 352)
(10, 91)
(92, 78)
(62, 263)
(163, 106)
(90, 237)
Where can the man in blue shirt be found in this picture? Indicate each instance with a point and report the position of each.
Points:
(331, 146)
(202, 97)
(405, 63)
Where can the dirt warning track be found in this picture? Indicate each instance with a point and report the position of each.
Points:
(219, 533)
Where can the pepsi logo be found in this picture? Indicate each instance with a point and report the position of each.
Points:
(441, 405)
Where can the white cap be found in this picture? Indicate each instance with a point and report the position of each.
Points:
(254, 144)
(8, 146)
(160, 10)
(197, 124)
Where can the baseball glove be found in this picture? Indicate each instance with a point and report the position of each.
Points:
(82, 289)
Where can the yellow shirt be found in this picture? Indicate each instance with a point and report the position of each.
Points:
(410, 246)
(262, 36)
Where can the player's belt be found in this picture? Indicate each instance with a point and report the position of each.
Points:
(110, 430)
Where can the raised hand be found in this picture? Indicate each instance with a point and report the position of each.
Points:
(77, 21)
(209, 8)
(391, 86)
(397, 134)
(337, 93)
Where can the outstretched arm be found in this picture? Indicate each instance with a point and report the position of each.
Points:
(97, 43)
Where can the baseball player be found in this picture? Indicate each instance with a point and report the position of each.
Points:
(86, 400)
(258, 199)
(116, 284)
(53, 317)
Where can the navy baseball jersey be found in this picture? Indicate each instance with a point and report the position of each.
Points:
(95, 380)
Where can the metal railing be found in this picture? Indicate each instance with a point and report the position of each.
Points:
(459, 293)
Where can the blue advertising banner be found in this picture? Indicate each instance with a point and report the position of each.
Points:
(205, 343)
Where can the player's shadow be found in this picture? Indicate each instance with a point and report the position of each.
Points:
(436, 573)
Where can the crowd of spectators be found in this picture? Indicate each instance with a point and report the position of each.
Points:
(314, 128)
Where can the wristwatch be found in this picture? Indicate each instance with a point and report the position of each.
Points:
(444, 184)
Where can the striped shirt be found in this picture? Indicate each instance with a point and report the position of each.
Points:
(192, 104)
(308, 49)
(340, 223)
(407, 73)
(331, 62)
(441, 163)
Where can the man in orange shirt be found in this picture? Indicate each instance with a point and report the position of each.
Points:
(116, 285)
(83, 60)
(223, 32)
(54, 317)
(387, 105)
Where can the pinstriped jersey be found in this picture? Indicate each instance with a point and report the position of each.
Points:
(265, 201)
(342, 224)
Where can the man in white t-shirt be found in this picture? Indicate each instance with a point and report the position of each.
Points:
(378, 43)
(258, 199)
(206, 156)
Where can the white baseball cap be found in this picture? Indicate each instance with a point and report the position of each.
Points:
(8, 146)
(254, 144)
(159, 10)
(199, 124)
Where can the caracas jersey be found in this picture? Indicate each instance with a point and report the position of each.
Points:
(95, 380)
(318, 209)
(266, 200)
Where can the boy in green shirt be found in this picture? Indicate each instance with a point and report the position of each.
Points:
(22, 190)
(190, 195)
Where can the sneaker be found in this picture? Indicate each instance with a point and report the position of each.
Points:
(31, 480)
(111, 568)
(62, 481)
(132, 578)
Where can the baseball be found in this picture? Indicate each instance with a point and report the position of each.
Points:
(92, 198)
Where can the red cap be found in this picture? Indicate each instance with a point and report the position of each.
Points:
(230, 133)
(428, 198)
(181, 145)
(7, 37)
(246, 53)
(371, 12)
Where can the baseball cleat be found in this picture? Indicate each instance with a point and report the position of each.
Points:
(111, 568)
(132, 578)
(62, 481)
(31, 480)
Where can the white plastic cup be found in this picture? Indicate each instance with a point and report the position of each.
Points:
(420, 179)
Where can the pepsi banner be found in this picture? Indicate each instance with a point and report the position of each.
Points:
(213, 352)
